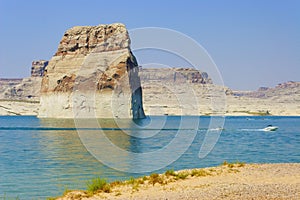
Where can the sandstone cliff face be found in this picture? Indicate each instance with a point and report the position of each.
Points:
(92, 74)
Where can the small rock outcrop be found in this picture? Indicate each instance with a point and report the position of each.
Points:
(38, 68)
(92, 74)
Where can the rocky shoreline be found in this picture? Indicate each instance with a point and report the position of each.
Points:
(229, 181)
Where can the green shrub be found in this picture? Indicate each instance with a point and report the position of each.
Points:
(106, 188)
(131, 181)
(199, 172)
(225, 163)
(240, 164)
(155, 178)
(97, 184)
(170, 172)
(135, 186)
(66, 191)
(116, 183)
(234, 164)
(140, 181)
(182, 175)
(230, 165)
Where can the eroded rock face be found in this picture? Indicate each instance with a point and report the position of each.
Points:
(38, 68)
(92, 74)
(84, 39)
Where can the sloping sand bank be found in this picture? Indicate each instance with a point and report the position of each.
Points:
(250, 181)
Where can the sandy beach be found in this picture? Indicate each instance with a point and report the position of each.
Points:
(231, 181)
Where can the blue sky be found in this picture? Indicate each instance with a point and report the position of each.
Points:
(253, 42)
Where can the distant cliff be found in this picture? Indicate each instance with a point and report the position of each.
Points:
(22, 96)
(92, 74)
(175, 75)
(286, 89)
(27, 89)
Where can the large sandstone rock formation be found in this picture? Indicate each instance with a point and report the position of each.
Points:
(92, 74)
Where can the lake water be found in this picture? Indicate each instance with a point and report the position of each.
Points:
(40, 158)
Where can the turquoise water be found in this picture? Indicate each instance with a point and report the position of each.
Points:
(42, 158)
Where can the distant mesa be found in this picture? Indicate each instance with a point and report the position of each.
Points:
(176, 75)
(281, 90)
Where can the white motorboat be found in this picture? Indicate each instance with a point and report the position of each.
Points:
(270, 128)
